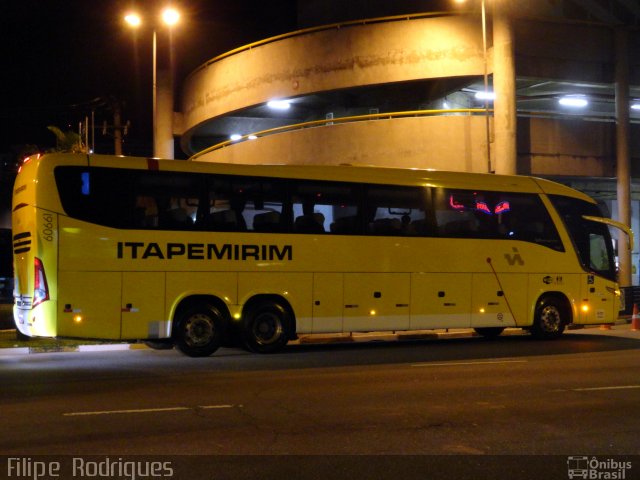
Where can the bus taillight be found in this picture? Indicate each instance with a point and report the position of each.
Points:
(40, 287)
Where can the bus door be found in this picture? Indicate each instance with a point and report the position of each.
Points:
(376, 301)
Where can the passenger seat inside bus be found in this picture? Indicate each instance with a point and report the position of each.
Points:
(345, 225)
(177, 218)
(226, 220)
(386, 226)
(309, 223)
(267, 222)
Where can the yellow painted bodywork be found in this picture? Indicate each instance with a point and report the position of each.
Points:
(333, 283)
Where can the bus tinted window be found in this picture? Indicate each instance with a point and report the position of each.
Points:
(241, 204)
(142, 199)
(392, 210)
(130, 198)
(320, 207)
(164, 200)
(105, 198)
(591, 239)
(494, 215)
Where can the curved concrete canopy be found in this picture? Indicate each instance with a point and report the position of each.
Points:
(361, 55)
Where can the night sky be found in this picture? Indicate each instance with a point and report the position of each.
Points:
(59, 55)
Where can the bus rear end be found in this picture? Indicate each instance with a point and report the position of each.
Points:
(35, 253)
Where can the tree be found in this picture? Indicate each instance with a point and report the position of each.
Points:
(68, 141)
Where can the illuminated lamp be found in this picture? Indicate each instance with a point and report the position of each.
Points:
(575, 101)
(279, 104)
(485, 95)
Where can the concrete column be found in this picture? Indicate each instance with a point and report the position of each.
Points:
(504, 85)
(117, 129)
(163, 138)
(623, 158)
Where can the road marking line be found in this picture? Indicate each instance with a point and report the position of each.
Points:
(117, 412)
(595, 389)
(492, 362)
(146, 410)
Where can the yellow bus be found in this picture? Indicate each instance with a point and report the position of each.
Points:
(197, 254)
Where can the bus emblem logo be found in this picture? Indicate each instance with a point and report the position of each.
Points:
(514, 259)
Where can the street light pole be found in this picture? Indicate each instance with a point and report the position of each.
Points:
(155, 93)
(486, 86)
(162, 92)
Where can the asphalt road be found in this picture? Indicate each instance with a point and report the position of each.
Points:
(579, 395)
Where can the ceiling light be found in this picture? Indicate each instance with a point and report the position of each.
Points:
(635, 105)
(485, 95)
(235, 137)
(577, 101)
(279, 104)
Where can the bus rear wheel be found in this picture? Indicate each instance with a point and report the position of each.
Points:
(266, 327)
(550, 319)
(199, 330)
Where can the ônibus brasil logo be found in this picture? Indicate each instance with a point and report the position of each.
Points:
(593, 468)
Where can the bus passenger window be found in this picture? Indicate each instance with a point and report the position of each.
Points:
(396, 211)
(324, 207)
(311, 221)
(175, 215)
(146, 212)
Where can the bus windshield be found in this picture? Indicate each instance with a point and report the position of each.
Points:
(592, 240)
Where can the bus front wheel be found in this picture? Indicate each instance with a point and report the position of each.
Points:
(265, 327)
(550, 319)
(199, 330)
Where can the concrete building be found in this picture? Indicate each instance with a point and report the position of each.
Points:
(393, 85)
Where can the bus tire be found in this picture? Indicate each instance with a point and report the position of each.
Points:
(265, 327)
(550, 319)
(199, 330)
(489, 332)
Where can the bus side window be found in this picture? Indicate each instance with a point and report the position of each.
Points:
(324, 207)
(146, 212)
(396, 211)
(177, 213)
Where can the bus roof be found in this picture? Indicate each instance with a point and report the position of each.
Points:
(342, 173)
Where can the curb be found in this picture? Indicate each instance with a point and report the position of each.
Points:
(112, 347)
(391, 336)
(307, 339)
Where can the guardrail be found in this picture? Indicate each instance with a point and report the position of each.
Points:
(333, 121)
(320, 28)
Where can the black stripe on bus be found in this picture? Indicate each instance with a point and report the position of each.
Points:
(21, 244)
(22, 250)
(18, 236)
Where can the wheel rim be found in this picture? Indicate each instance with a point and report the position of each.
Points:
(198, 330)
(267, 328)
(550, 319)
